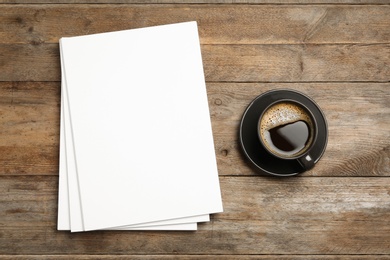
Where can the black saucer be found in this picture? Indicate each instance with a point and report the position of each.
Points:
(250, 143)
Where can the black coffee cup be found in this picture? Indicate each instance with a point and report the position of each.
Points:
(288, 130)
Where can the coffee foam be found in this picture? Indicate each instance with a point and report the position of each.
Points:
(281, 114)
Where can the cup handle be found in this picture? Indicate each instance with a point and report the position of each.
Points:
(306, 162)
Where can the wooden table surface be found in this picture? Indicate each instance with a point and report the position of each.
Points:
(337, 52)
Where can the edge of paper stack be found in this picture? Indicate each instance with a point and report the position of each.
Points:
(136, 145)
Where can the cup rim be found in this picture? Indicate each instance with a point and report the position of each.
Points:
(300, 155)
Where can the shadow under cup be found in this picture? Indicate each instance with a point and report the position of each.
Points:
(287, 130)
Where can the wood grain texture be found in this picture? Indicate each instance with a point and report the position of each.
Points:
(358, 117)
(239, 43)
(227, 63)
(311, 215)
(357, 114)
(300, 2)
(218, 24)
(335, 51)
(243, 63)
(191, 257)
(29, 127)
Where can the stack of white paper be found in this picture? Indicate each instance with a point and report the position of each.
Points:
(136, 148)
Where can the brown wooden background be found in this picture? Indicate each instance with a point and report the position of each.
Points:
(338, 52)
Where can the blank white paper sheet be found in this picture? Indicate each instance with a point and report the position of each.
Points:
(136, 144)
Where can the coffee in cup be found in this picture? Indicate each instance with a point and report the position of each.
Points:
(287, 130)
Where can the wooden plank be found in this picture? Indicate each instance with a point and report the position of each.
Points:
(190, 257)
(297, 2)
(29, 112)
(261, 216)
(29, 160)
(227, 63)
(218, 24)
(29, 127)
(357, 113)
(296, 62)
(21, 62)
